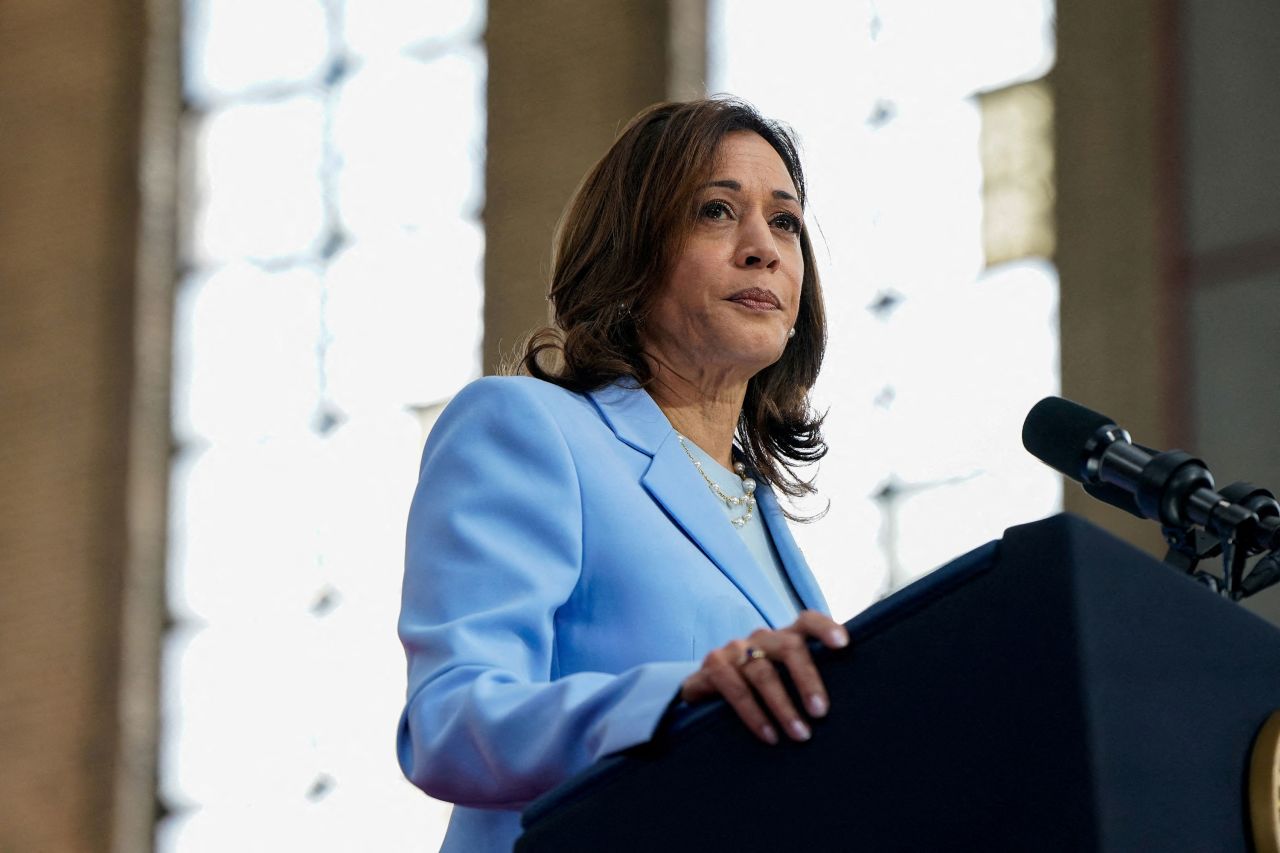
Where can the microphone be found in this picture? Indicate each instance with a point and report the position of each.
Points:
(1172, 487)
(1115, 496)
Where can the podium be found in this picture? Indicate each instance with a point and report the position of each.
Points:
(1054, 690)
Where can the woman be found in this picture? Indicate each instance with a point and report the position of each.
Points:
(588, 544)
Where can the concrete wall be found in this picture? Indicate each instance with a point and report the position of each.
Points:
(1229, 64)
(564, 77)
(1118, 297)
(72, 90)
(1168, 124)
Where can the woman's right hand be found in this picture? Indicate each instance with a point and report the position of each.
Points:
(745, 673)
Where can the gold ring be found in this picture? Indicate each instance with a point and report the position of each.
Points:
(752, 653)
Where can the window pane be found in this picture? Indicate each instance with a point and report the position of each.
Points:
(382, 27)
(410, 137)
(238, 46)
(404, 315)
(258, 180)
(249, 366)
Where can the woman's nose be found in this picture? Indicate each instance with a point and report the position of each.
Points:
(756, 248)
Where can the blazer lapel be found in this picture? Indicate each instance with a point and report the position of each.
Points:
(806, 586)
(673, 482)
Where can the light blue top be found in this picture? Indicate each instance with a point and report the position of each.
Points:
(564, 573)
(754, 533)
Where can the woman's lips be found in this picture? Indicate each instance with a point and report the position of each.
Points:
(757, 299)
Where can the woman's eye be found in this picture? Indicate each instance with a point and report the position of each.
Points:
(787, 222)
(715, 210)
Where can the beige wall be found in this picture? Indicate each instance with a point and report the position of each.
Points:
(564, 77)
(71, 95)
(1169, 233)
(1228, 60)
(67, 168)
(1116, 292)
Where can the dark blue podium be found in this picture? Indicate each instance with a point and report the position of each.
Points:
(1055, 690)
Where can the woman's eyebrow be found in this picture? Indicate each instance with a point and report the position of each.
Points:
(730, 184)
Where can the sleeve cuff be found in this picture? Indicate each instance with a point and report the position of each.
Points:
(653, 691)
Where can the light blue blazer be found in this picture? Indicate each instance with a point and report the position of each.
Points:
(566, 568)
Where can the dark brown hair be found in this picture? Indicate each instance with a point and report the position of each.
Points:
(614, 246)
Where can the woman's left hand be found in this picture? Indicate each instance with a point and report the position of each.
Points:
(744, 673)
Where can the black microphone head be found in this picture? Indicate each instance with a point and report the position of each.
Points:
(1060, 433)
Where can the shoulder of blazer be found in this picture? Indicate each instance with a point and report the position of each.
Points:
(624, 407)
(515, 388)
(505, 397)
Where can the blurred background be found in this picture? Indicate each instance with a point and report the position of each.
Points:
(249, 249)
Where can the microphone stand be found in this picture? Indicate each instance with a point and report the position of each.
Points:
(1188, 545)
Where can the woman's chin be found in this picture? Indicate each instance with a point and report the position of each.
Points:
(757, 360)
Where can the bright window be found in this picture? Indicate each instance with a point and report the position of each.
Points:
(331, 300)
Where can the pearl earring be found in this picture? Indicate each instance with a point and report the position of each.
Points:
(791, 334)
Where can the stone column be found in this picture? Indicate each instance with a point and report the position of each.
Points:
(84, 322)
(1121, 301)
(564, 76)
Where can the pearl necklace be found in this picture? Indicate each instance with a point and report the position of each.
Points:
(748, 487)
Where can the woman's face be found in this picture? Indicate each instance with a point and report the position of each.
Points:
(734, 290)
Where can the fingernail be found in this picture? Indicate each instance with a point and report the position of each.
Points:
(799, 730)
(839, 638)
(817, 706)
(769, 734)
